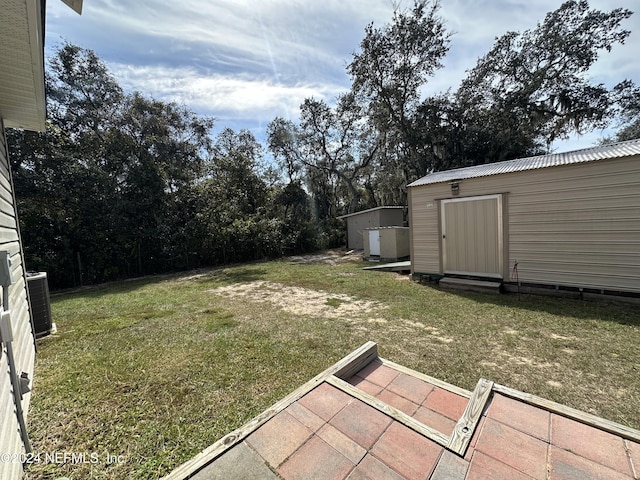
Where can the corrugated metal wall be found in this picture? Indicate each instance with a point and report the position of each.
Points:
(23, 345)
(573, 225)
(390, 217)
(378, 217)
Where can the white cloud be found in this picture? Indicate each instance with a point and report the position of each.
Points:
(221, 95)
(246, 61)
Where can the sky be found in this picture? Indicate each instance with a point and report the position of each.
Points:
(245, 62)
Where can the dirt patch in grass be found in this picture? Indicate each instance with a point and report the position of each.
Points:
(309, 303)
(302, 301)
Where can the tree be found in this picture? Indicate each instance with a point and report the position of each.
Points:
(335, 146)
(393, 65)
(285, 144)
(629, 102)
(530, 89)
(533, 87)
(234, 200)
(160, 151)
(338, 142)
(98, 192)
(63, 188)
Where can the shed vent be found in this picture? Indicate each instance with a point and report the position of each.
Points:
(40, 305)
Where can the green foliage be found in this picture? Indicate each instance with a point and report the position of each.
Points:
(393, 64)
(121, 185)
(530, 89)
(533, 87)
(629, 101)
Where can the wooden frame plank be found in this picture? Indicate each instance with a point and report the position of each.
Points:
(463, 430)
(577, 415)
(357, 359)
(426, 378)
(392, 412)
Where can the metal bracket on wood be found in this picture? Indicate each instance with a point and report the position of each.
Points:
(463, 430)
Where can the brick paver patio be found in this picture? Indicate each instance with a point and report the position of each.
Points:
(330, 434)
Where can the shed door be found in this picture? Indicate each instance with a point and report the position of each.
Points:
(374, 242)
(472, 236)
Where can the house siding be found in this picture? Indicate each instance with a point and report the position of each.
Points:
(573, 225)
(23, 340)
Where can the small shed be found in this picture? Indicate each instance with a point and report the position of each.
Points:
(569, 221)
(388, 216)
(386, 243)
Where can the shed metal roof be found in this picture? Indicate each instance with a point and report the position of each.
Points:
(369, 210)
(602, 152)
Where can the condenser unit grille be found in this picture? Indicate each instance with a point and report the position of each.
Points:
(40, 304)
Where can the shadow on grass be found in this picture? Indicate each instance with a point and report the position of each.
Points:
(230, 275)
(226, 275)
(624, 314)
(110, 288)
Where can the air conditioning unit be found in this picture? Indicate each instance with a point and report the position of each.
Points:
(40, 304)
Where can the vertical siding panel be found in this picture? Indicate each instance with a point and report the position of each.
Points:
(9, 430)
(424, 220)
(580, 226)
(573, 225)
(23, 344)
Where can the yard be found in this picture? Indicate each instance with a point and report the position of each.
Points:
(144, 374)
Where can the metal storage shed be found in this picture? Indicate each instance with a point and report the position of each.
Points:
(388, 216)
(570, 221)
(386, 243)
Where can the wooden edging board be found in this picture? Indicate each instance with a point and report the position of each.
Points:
(463, 430)
(466, 425)
(352, 363)
(390, 411)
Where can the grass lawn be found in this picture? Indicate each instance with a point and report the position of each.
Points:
(152, 371)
